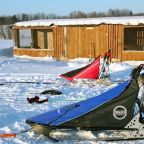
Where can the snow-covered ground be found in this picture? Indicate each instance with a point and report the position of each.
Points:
(14, 108)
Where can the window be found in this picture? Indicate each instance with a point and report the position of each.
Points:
(45, 39)
(25, 38)
(134, 39)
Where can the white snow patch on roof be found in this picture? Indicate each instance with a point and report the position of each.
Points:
(127, 20)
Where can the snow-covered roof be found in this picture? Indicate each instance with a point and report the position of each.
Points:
(131, 20)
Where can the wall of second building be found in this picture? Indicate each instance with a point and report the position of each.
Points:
(88, 41)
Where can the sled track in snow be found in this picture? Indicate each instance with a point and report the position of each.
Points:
(28, 78)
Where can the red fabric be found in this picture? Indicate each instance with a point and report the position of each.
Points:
(91, 72)
(108, 55)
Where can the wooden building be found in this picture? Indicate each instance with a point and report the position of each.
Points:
(72, 38)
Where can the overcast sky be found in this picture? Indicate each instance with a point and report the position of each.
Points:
(64, 7)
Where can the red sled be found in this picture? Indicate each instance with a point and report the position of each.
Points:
(91, 71)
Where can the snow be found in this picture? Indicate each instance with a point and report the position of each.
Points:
(14, 108)
(6, 48)
(127, 20)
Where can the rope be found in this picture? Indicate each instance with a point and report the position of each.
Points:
(8, 135)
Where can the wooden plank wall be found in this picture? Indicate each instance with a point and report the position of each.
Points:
(101, 39)
(58, 42)
(33, 52)
(133, 55)
(88, 41)
(83, 41)
(40, 38)
(115, 40)
(72, 42)
(34, 39)
(49, 37)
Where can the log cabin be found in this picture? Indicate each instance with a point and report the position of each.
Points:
(85, 37)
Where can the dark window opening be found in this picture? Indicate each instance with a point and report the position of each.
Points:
(134, 39)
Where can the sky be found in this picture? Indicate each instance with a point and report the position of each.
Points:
(64, 7)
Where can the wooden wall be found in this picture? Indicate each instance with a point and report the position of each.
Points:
(79, 41)
(33, 52)
(133, 55)
(115, 40)
(16, 37)
(88, 41)
(58, 43)
(40, 39)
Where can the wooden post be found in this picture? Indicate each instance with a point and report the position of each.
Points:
(34, 41)
(16, 38)
(45, 43)
(65, 42)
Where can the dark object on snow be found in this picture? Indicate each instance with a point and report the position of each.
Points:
(42, 101)
(136, 71)
(52, 92)
(90, 71)
(1, 84)
(36, 99)
(33, 100)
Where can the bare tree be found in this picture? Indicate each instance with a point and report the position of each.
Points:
(5, 32)
(119, 12)
(2, 33)
(8, 32)
(77, 14)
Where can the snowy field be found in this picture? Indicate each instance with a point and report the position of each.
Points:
(14, 108)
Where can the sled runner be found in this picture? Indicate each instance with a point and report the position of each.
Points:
(111, 112)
